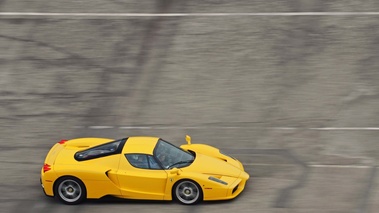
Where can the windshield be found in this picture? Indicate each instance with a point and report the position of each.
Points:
(171, 156)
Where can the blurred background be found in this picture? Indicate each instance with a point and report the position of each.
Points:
(295, 97)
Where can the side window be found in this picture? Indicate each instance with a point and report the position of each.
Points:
(142, 161)
(102, 150)
(153, 164)
(138, 160)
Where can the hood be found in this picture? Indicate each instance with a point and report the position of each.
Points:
(212, 166)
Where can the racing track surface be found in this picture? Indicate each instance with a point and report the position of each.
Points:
(295, 98)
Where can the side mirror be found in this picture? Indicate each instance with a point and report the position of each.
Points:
(188, 139)
(175, 171)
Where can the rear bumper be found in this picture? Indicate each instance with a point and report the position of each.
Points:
(47, 182)
(43, 188)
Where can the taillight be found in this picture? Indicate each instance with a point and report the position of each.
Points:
(62, 141)
(46, 167)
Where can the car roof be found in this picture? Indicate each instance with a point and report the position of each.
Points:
(140, 144)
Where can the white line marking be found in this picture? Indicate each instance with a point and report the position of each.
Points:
(134, 127)
(267, 164)
(234, 127)
(313, 165)
(346, 128)
(177, 127)
(188, 14)
(100, 127)
(340, 166)
(283, 128)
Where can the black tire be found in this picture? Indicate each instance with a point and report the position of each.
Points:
(70, 190)
(187, 192)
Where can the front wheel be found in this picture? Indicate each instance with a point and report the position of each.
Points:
(70, 190)
(187, 192)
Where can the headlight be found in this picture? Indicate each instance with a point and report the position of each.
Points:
(217, 180)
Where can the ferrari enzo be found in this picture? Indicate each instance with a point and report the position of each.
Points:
(146, 168)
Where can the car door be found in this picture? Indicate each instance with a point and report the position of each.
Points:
(140, 177)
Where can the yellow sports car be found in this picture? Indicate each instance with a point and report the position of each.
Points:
(146, 168)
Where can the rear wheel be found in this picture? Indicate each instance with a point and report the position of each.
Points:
(187, 192)
(70, 190)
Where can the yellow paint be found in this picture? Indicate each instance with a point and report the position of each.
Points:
(188, 139)
(113, 175)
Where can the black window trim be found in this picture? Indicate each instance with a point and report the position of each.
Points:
(148, 162)
(160, 139)
(118, 151)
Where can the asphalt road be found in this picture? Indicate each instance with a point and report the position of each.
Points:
(294, 97)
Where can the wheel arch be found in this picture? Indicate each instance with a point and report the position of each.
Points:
(55, 184)
(173, 196)
(57, 181)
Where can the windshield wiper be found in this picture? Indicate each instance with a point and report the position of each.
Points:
(180, 162)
